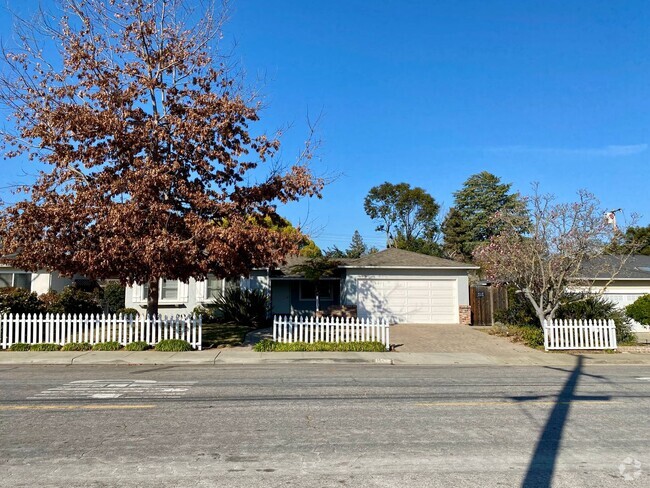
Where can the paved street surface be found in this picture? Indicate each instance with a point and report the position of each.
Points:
(324, 425)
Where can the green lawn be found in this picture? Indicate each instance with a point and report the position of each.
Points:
(224, 335)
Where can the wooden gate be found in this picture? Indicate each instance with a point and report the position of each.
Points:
(485, 300)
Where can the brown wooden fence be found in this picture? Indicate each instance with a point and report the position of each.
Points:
(485, 301)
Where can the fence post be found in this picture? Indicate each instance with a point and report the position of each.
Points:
(200, 340)
(3, 325)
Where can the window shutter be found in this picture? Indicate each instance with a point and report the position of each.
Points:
(201, 290)
(137, 293)
(183, 292)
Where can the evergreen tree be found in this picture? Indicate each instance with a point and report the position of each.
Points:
(457, 236)
(335, 253)
(635, 240)
(357, 247)
(481, 198)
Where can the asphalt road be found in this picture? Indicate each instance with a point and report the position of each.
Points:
(324, 426)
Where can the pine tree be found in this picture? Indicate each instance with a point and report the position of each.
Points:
(357, 247)
(457, 236)
(480, 199)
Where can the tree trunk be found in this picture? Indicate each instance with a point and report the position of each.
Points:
(152, 298)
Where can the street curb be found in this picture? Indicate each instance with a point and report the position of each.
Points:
(246, 356)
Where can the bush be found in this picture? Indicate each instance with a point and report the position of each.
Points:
(640, 310)
(113, 297)
(531, 335)
(598, 308)
(243, 307)
(267, 345)
(45, 346)
(127, 311)
(173, 345)
(71, 300)
(205, 313)
(137, 346)
(519, 312)
(19, 346)
(107, 346)
(17, 300)
(77, 346)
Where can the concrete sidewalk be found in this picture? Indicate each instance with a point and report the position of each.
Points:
(216, 357)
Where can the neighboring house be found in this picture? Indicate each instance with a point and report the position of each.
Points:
(393, 284)
(176, 297)
(39, 282)
(631, 279)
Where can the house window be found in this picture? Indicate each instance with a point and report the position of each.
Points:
(168, 290)
(214, 287)
(308, 290)
(16, 280)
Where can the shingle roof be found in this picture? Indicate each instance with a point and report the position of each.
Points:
(399, 258)
(287, 271)
(636, 267)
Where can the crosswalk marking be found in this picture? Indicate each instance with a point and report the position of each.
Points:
(112, 389)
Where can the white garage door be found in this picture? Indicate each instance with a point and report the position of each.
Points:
(408, 301)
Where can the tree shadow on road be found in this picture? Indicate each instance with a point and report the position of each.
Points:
(542, 464)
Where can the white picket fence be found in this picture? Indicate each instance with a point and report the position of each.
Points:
(64, 328)
(330, 329)
(580, 334)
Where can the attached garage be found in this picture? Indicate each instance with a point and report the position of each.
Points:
(419, 301)
(406, 287)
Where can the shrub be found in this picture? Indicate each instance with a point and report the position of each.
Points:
(71, 300)
(137, 346)
(267, 345)
(45, 346)
(107, 346)
(243, 307)
(127, 311)
(640, 310)
(113, 297)
(598, 308)
(173, 345)
(519, 311)
(205, 313)
(17, 300)
(531, 335)
(77, 346)
(19, 346)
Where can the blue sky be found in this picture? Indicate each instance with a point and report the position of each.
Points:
(430, 92)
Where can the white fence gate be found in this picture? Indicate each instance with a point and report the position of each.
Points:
(64, 328)
(330, 329)
(580, 334)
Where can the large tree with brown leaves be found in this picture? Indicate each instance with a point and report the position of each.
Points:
(150, 167)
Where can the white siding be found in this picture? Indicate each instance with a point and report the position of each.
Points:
(413, 295)
(622, 293)
(190, 295)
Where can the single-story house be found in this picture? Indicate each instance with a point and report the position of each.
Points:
(176, 297)
(630, 279)
(397, 285)
(38, 282)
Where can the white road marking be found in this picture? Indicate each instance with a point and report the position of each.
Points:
(110, 389)
(645, 379)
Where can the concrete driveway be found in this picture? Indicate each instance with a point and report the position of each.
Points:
(452, 339)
